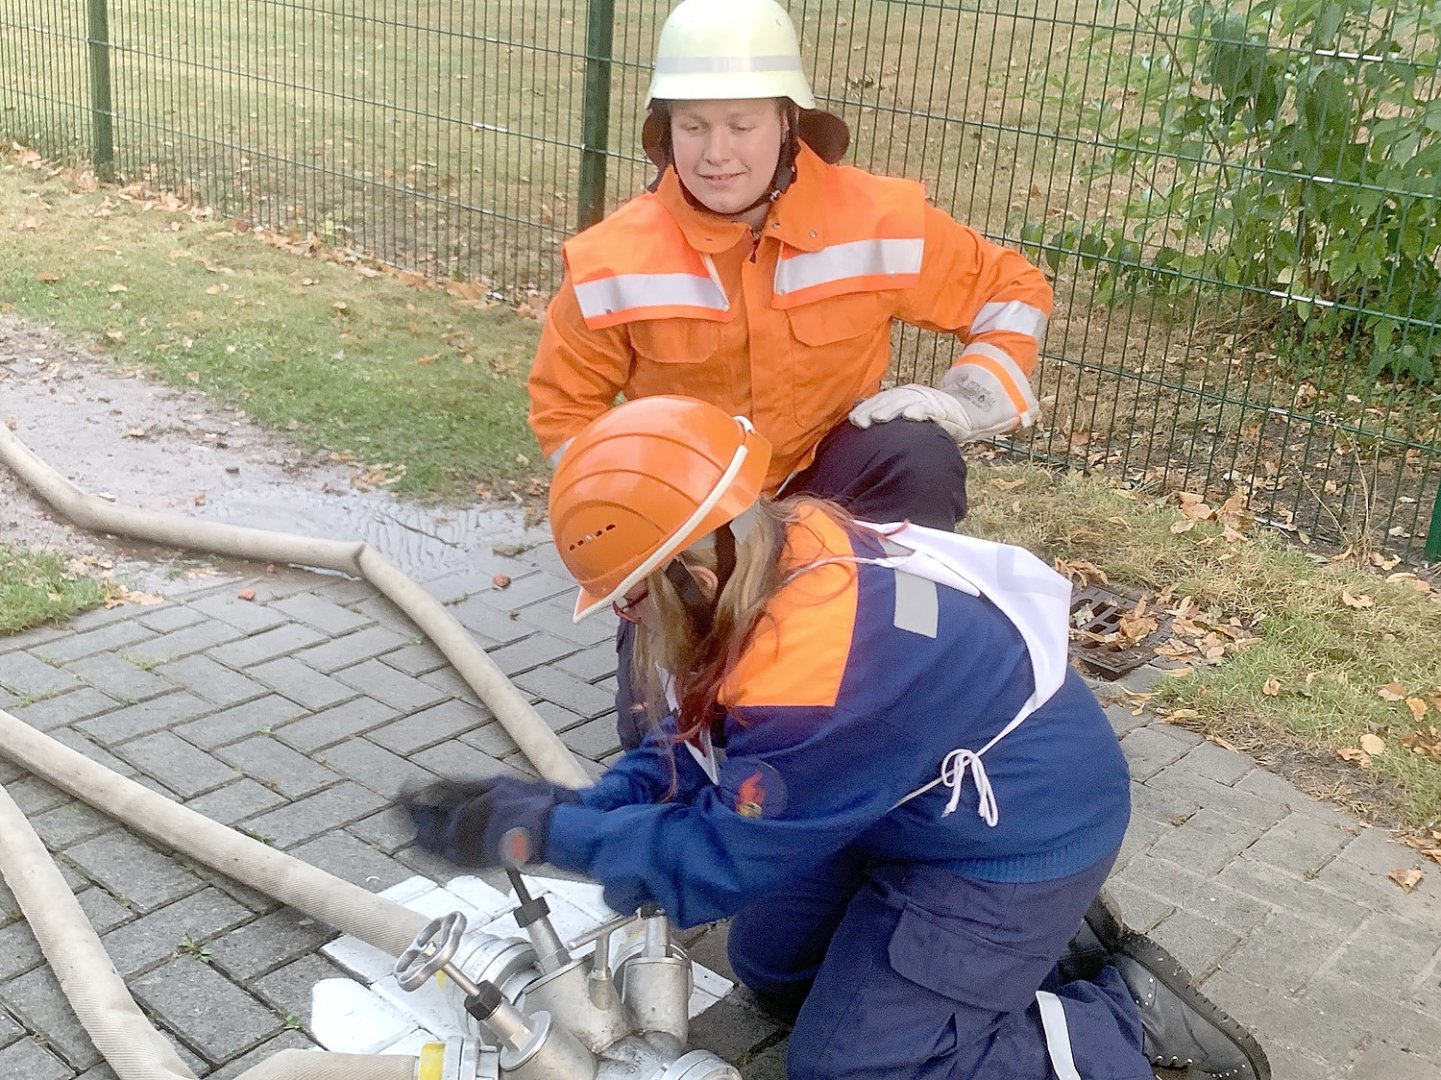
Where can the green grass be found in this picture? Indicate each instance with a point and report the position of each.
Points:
(424, 389)
(37, 587)
(1330, 635)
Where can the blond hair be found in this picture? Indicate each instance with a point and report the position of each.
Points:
(670, 646)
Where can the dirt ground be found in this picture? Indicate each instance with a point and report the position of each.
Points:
(115, 434)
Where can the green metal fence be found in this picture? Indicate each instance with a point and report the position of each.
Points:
(1240, 205)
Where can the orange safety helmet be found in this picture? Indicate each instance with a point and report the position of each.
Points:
(642, 483)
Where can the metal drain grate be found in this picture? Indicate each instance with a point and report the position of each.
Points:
(1096, 610)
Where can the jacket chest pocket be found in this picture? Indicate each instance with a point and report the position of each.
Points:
(678, 356)
(840, 349)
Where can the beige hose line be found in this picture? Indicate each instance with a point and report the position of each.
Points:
(542, 746)
(134, 1049)
(99, 996)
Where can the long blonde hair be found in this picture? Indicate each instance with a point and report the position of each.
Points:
(699, 665)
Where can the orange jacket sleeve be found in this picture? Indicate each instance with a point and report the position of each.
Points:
(577, 373)
(990, 296)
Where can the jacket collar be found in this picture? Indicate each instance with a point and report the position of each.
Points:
(796, 219)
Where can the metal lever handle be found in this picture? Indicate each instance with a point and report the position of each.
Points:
(430, 951)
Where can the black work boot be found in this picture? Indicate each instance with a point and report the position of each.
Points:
(1095, 943)
(1181, 1027)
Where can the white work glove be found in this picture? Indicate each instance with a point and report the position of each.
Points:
(969, 404)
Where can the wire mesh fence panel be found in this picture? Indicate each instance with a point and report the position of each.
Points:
(1239, 204)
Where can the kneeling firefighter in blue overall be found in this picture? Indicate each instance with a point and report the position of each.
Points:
(874, 759)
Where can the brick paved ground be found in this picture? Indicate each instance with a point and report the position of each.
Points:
(296, 716)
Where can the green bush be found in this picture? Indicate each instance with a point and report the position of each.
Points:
(1290, 149)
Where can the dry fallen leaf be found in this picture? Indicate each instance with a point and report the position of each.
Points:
(1356, 757)
(501, 581)
(1392, 692)
(1182, 527)
(245, 594)
(1417, 707)
(200, 499)
(1271, 687)
(1360, 603)
(46, 277)
(1373, 744)
(426, 361)
(1407, 879)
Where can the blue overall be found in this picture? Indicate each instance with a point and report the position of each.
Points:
(914, 804)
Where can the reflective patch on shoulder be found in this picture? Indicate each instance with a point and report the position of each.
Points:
(917, 605)
(752, 788)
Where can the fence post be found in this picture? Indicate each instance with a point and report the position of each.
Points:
(1433, 536)
(102, 151)
(595, 118)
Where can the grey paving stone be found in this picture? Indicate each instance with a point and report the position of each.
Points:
(344, 856)
(103, 1071)
(164, 620)
(354, 717)
(590, 664)
(1124, 718)
(268, 942)
(205, 1008)
(130, 868)
(186, 641)
(346, 591)
(492, 739)
(343, 652)
(329, 809)
(27, 1060)
(1356, 1010)
(448, 681)
(731, 1031)
(1140, 835)
(102, 909)
(493, 626)
(557, 619)
(236, 802)
(286, 1040)
(456, 760)
(1217, 763)
(376, 768)
(1285, 951)
(531, 652)
(594, 739)
(321, 613)
(162, 712)
(26, 677)
(244, 615)
(1300, 844)
(1200, 894)
(19, 951)
(1149, 750)
(1199, 944)
(566, 691)
(176, 763)
(84, 746)
(34, 796)
(1179, 782)
(288, 989)
(1140, 909)
(380, 610)
(1206, 842)
(1380, 1061)
(79, 704)
(162, 934)
(119, 678)
(33, 638)
(9, 1031)
(69, 823)
(1387, 955)
(389, 831)
(276, 765)
(36, 998)
(447, 720)
(258, 648)
(386, 685)
(212, 681)
(240, 722)
(114, 637)
(530, 589)
(417, 659)
(301, 684)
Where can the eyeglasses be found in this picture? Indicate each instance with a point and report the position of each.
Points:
(627, 610)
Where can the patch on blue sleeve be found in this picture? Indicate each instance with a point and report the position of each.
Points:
(752, 788)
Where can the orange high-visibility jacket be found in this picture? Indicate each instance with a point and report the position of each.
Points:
(791, 329)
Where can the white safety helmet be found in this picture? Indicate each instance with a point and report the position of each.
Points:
(724, 50)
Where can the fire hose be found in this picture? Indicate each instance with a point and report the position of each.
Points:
(548, 1016)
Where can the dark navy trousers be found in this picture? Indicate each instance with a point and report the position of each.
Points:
(912, 972)
(904, 470)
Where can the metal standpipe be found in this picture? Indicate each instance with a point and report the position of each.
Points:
(539, 1012)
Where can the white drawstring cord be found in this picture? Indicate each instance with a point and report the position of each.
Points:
(953, 775)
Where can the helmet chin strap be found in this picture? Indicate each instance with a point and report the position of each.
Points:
(781, 179)
(699, 609)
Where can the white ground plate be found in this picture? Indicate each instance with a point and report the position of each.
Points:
(370, 1014)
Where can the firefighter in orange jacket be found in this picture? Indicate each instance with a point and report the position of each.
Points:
(760, 276)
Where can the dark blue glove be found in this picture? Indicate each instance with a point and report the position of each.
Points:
(479, 823)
